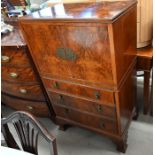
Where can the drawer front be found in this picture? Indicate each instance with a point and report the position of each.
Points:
(81, 91)
(106, 125)
(16, 57)
(37, 108)
(82, 105)
(14, 74)
(32, 92)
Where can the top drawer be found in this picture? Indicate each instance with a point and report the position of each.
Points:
(14, 57)
(79, 90)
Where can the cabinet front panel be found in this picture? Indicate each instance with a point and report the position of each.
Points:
(71, 51)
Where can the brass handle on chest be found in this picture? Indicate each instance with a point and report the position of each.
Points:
(97, 95)
(99, 108)
(23, 91)
(67, 111)
(13, 75)
(30, 107)
(102, 125)
(5, 58)
(56, 85)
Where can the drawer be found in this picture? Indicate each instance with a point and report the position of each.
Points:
(14, 57)
(82, 105)
(37, 108)
(81, 91)
(106, 125)
(32, 92)
(14, 74)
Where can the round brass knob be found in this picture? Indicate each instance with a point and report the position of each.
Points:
(30, 107)
(5, 58)
(23, 91)
(13, 75)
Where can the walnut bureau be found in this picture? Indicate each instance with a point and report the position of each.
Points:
(21, 89)
(86, 57)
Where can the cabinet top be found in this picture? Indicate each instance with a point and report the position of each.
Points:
(13, 39)
(105, 11)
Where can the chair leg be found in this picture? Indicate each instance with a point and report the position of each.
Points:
(146, 92)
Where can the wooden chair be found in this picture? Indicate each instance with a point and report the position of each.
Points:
(28, 129)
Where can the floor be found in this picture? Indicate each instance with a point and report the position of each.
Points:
(77, 141)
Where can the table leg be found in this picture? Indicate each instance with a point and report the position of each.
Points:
(146, 92)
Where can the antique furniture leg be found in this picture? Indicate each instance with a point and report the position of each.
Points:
(146, 92)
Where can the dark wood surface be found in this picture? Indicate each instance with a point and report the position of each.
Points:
(104, 11)
(28, 129)
(145, 63)
(19, 81)
(87, 64)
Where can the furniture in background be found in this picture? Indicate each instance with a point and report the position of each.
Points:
(21, 88)
(145, 63)
(28, 129)
(144, 23)
(86, 57)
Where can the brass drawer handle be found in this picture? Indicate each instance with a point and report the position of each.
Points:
(102, 125)
(56, 85)
(99, 108)
(23, 91)
(30, 107)
(13, 75)
(5, 58)
(97, 95)
(67, 111)
(60, 97)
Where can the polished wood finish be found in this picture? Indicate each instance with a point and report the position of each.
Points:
(86, 57)
(18, 76)
(145, 63)
(38, 108)
(28, 130)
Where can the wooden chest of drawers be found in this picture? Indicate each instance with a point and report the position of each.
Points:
(21, 89)
(86, 56)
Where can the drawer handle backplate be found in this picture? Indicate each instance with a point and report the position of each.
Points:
(97, 95)
(5, 58)
(56, 85)
(102, 125)
(13, 75)
(99, 108)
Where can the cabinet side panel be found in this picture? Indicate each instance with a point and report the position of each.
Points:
(124, 30)
(126, 98)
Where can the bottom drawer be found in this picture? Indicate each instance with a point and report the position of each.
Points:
(92, 121)
(36, 108)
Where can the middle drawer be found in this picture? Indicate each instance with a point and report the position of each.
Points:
(32, 92)
(82, 105)
(18, 74)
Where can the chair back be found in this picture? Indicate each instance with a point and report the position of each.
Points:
(28, 129)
